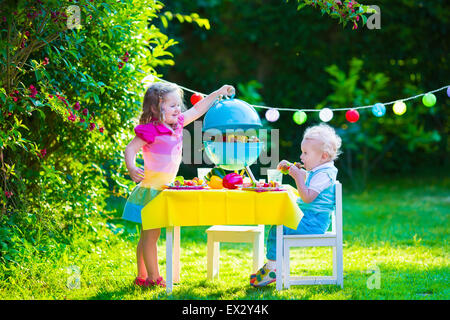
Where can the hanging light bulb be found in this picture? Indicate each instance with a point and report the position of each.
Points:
(326, 114)
(429, 100)
(272, 115)
(299, 117)
(352, 115)
(399, 108)
(378, 109)
(448, 92)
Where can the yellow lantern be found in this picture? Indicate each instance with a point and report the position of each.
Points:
(399, 108)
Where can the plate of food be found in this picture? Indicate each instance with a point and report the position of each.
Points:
(262, 186)
(181, 184)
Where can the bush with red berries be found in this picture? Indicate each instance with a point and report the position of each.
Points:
(68, 108)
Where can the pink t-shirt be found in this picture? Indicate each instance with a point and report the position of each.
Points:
(162, 153)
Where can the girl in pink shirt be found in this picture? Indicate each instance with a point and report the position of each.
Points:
(160, 136)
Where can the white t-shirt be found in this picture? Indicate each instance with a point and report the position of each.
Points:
(321, 181)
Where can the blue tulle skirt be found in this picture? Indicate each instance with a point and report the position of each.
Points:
(139, 198)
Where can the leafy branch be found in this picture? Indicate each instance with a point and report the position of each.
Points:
(346, 11)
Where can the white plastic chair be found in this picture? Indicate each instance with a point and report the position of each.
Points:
(329, 239)
(217, 234)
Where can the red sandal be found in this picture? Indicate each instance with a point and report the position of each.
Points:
(158, 282)
(140, 282)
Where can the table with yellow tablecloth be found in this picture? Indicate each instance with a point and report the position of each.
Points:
(222, 206)
(175, 208)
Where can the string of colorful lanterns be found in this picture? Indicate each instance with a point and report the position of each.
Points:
(326, 114)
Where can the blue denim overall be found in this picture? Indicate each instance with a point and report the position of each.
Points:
(317, 214)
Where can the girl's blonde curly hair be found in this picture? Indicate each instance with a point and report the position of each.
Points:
(330, 141)
(153, 98)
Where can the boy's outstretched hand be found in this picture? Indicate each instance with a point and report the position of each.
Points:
(294, 170)
(283, 165)
(297, 173)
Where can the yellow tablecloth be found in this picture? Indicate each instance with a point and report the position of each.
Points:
(222, 207)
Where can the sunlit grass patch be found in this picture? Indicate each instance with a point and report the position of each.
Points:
(395, 247)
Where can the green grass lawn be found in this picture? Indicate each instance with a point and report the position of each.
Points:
(397, 230)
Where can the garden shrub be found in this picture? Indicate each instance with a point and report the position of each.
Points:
(70, 94)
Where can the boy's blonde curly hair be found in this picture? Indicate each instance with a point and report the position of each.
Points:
(330, 141)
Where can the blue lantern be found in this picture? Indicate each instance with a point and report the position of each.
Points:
(378, 110)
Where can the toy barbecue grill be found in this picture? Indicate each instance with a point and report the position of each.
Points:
(232, 125)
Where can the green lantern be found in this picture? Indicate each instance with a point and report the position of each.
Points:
(429, 100)
(300, 117)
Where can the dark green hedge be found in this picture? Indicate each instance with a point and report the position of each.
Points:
(289, 51)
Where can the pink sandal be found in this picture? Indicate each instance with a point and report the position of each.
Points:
(158, 282)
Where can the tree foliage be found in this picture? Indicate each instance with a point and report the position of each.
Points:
(304, 59)
(70, 94)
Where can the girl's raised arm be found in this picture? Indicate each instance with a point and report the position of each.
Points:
(200, 108)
